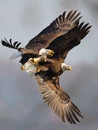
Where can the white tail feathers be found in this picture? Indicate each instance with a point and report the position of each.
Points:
(16, 55)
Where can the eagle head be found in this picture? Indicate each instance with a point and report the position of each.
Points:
(65, 67)
(45, 52)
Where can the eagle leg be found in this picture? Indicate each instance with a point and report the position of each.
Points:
(39, 59)
(36, 60)
(31, 66)
(38, 70)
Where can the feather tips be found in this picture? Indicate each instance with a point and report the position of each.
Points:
(9, 44)
(59, 101)
(60, 26)
(67, 21)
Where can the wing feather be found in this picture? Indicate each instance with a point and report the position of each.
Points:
(60, 26)
(66, 42)
(58, 100)
(9, 44)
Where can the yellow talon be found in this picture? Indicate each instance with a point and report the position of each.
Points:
(45, 59)
(37, 70)
(35, 60)
(22, 67)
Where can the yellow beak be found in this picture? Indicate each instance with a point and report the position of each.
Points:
(51, 53)
(69, 68)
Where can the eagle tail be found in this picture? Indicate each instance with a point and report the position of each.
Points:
(16, 55)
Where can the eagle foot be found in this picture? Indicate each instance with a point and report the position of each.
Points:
(39, 59)
(37, 70)
(35, 60)
(22, 67)
(44, 59)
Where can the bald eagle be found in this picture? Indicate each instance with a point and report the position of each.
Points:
(64, 33)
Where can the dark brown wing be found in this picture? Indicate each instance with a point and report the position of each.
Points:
(63, 44)
(58, 100)
(58, 27)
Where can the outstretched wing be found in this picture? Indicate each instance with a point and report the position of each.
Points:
(58, 27)
(56, 98)
(63, 44)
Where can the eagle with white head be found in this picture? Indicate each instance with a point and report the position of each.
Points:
(44, 57)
